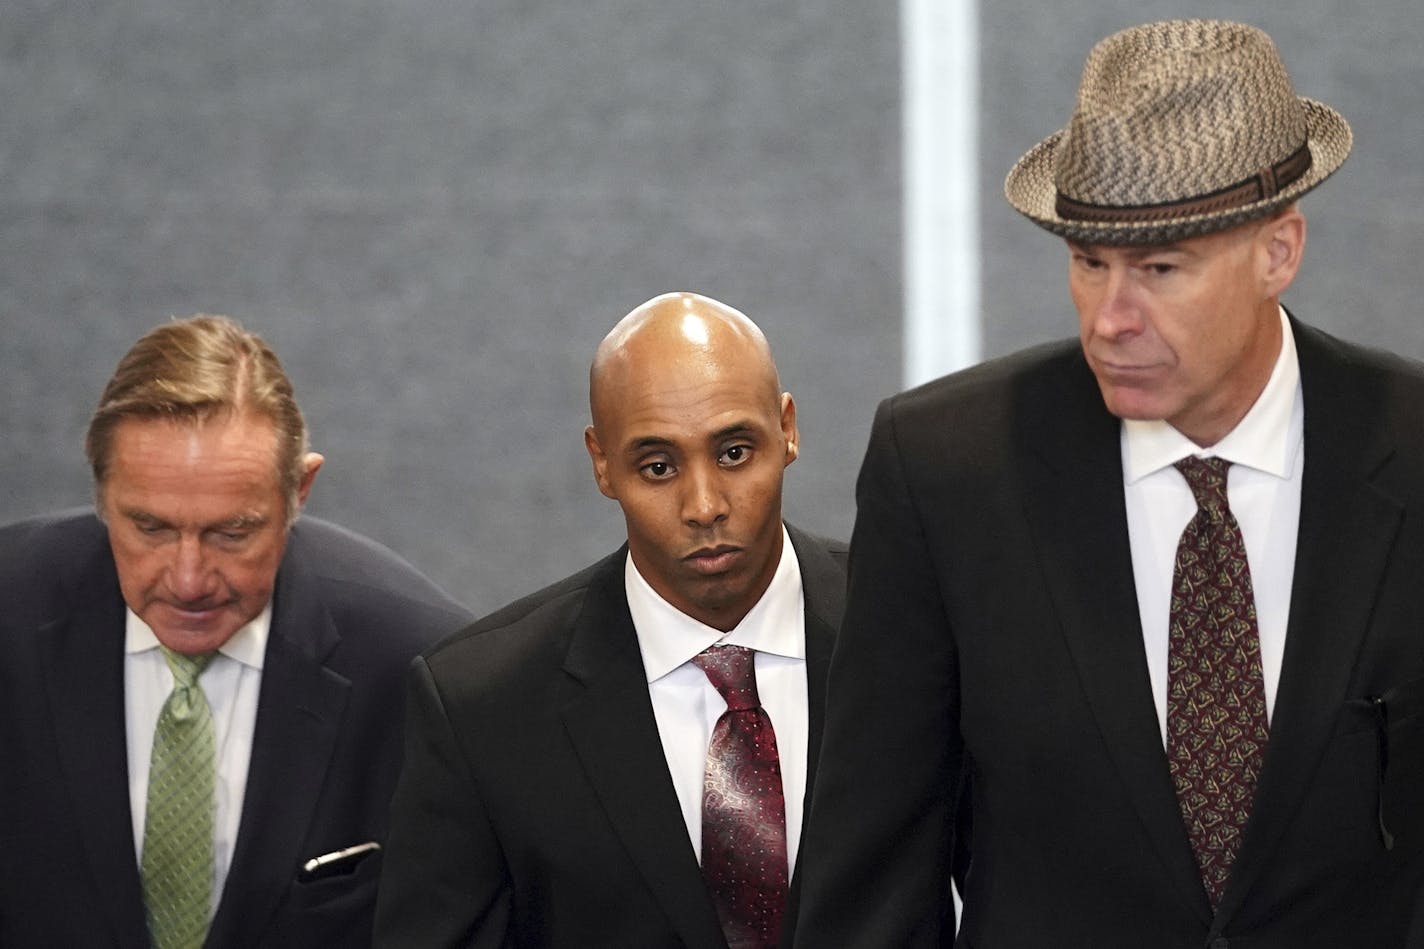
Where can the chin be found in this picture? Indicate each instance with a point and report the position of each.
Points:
(1134, 407)
(727, 599)
(189, 641)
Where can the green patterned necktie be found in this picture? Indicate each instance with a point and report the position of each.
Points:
(178, 827)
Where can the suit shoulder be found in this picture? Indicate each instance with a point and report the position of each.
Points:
(361, 579)
(802, 537)
(813, 545)
(995, 381)
(529, 635)
(552, 607)
(1390, 385)
(1359, 357)
(824, 564)
(988, 411)
(50, 551)
(55, 532)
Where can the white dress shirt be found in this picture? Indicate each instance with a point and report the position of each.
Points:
(1267, 454)
(687, 706)
(231, 683)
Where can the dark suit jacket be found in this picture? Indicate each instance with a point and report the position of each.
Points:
(1416, 929)
(348, 616)
(992, 622)
(536, 807)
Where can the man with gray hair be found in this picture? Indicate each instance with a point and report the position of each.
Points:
(200, 693)
(1143, 608)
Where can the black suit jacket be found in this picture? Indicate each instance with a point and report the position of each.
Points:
(536, 807)
(348, 616)
(992, 625)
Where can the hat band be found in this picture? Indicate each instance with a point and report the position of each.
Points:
(1262, 186)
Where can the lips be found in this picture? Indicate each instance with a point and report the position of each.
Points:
(713, 560)
(1120, 371)
(194, 615)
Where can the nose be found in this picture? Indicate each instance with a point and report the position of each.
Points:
(190, 576)
(704, 502)
(1117, 313)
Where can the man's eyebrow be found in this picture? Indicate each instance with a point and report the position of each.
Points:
(744, 427)
(247, 521)
(643, 443)
(241, 522)
(1136, 253)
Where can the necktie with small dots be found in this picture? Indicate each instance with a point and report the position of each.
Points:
(743, 807)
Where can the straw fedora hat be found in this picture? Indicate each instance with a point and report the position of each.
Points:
(1181, 128)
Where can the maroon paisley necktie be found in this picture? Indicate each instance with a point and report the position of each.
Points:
(743, 808)
(1216, 700)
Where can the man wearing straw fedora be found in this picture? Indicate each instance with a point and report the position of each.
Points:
(1145, 608)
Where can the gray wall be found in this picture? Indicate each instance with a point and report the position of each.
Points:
(434, 211)
(1361, 277)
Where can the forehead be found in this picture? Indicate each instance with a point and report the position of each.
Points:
(692, 399)
(193, 459)
(1201, 246)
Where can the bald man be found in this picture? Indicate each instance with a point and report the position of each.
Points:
(559, 752)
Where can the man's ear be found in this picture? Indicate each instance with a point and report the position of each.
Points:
(788, 427)
(1283, 239)
(600, 462)
(311, 464)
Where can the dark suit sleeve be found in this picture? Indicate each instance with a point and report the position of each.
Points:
(444, 883)
(876, 852)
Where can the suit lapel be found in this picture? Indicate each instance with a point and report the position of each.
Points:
(84, 678)
(823, 584)
(1076, 511)
(609, 720)
(299, 712)
(1347, 529)
(823, 589)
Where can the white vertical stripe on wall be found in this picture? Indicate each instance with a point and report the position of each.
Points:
(940, 98)
(941, 213)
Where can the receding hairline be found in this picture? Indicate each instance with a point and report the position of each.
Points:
(194, 370)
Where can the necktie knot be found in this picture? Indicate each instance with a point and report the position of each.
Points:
(732, 672)
(1207, 479)
(186, 670)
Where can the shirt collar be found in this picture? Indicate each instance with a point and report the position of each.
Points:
(1266, 439)
(668, 637)
(248, 645)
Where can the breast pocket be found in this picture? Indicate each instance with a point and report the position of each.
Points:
(328, 910)
(1394, 720)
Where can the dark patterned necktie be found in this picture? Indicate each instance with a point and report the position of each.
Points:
(1216, 700)
(743, 808)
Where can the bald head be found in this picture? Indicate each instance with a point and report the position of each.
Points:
(691, 436)
(678, 333)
